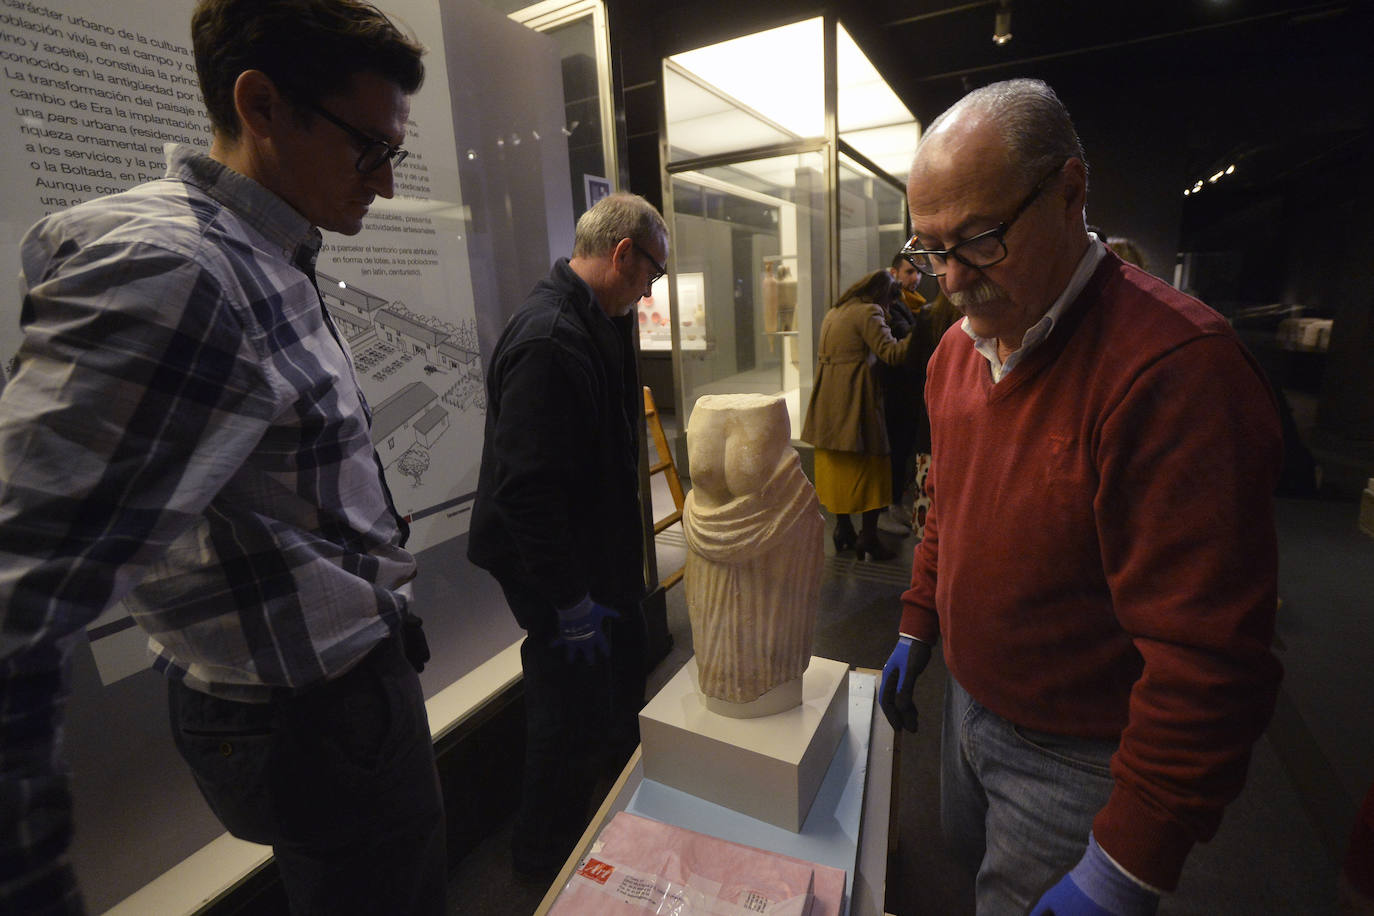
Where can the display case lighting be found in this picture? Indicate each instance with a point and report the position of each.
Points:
(776, 72)
(864, 98)
(1001, 23)
(748, 91)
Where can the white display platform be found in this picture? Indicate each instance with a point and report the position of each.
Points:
(847, 826)
(769, 768)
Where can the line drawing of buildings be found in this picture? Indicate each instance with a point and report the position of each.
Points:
(353, 309)
(408, 335)
(388, 343)
(411, 416)
(456, 356)
(364, 317)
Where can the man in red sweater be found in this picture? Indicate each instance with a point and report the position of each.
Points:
(1100, 556)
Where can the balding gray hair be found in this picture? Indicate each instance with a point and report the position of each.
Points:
(618, 216)
(1032, 122)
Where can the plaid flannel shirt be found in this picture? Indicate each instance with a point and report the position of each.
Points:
(184, 432)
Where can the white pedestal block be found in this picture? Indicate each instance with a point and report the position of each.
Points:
(768, 768)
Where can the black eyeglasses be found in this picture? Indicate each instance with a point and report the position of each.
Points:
(374, 151)
(982, 250)
(659, 270)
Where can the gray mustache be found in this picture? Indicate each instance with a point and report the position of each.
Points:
(985, 291)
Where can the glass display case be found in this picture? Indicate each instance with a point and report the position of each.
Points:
(872, 219)
(749, 239)
(578, 30)
(780, 192)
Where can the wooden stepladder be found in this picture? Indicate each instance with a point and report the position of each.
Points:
(665, 466)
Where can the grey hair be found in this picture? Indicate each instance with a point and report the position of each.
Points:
(1034, 125)
(617, 216)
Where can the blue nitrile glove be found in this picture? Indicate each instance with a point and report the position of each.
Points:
(1096, 887)
(905, 663)
(580, 630)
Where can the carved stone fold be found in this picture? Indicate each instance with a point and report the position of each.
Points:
(754, 555)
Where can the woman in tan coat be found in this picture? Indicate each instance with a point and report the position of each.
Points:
(844, 419)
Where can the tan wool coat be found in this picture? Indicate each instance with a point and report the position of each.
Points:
(845, 413)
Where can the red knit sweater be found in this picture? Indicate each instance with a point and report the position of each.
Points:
(1100, 555)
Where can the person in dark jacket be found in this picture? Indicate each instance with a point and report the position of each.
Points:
(557, 516)
(903, 393)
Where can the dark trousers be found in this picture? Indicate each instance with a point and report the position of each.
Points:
(338, 779)
(902, 419)
(581, 725)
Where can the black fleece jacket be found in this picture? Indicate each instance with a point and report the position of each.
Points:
(557, 512)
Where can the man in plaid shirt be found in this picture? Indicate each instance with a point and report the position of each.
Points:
(184, 433)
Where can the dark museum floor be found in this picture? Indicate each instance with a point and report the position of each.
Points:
(1280, 842)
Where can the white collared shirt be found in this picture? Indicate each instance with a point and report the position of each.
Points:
(1038, 332)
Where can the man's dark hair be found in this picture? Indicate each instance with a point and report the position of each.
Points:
(898, 260)
(309, 48)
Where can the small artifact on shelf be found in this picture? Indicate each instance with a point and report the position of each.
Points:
(754, 555)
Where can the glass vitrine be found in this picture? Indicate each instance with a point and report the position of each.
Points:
(750, 243)
(776, 202)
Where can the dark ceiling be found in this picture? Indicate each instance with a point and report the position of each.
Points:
(1268, 79)
(1271, 82)
(931, 50)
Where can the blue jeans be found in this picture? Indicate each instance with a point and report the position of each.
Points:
(1016, 805)
(338, 779)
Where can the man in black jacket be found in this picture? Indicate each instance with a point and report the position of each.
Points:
(557, 517)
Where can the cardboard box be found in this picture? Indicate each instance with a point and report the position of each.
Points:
(1305, 333)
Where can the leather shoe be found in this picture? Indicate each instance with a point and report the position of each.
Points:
(874, 549)
(844, 539)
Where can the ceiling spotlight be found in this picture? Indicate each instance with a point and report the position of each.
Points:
(1001, 27)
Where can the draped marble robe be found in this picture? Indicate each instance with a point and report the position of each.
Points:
(754, 555)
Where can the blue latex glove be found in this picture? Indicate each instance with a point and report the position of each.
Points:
(903, 666)
(581, 630)
(1096, 887)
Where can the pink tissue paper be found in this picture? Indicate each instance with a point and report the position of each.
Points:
(638, 865)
